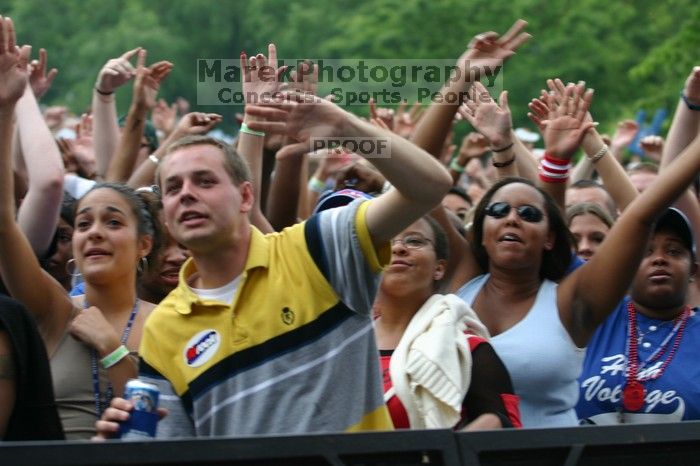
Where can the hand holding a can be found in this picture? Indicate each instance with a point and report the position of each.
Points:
(119, 412)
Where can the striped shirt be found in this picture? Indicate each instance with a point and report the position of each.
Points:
(294, 353)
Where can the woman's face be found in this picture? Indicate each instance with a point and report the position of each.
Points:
(589, 232)
(663, 276)
(106, 244)
(162, 276)
(414, 265)
(516, 229)
(64, 252)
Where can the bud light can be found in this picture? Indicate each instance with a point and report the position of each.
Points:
(143, 420)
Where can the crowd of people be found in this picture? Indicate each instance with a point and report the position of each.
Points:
(266, 289)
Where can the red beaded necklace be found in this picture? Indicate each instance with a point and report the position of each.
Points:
(634, 392)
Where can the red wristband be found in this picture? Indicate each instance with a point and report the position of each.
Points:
(553, 170)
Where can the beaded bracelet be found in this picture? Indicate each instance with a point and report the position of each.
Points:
(598, 155)
(114, 357)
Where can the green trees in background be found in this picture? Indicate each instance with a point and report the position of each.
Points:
(634, 53)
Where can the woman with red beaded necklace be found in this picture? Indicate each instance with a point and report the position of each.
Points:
(640, 364)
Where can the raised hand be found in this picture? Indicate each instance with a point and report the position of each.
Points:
(691, 91)
(261, 76)
(55, 117)
(164, 117)
(539, 111)
(196, 123)
(386, 115)
(148, 80)
(83, 129)
(405, 121)
(332, 161)
(567, 122)
(473, 145)
(66, 148)
(360, 176)
(116, 72)
(299, 116)
(653, 147)
(13, 65)
(624, 134)
(488, 50)
(490, 119)
(83, 148)
(306, 80)
(39, 80)
(379, 123)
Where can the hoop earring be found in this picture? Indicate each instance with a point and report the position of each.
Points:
(72, 268)
(142, 266)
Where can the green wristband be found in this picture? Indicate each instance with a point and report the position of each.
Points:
(315, 185)
(245, 129)
(456, 166)
(114, 357)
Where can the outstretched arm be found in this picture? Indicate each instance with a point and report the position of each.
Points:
(685, 126)
(565, 128)
(686, 120)
(38, 214)
(495, 123)
(146, 87)
(598, 154)
(115, 73)
(286, 187)
(587, 296)
(191, 124)
(19, 266)
(261, 81)
(485, 50)
(302, 116)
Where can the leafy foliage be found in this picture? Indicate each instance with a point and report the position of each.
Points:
(634, 53)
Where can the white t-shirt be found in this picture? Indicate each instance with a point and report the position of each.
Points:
(224, 293)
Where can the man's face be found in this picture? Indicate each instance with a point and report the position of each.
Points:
(590, 195)
(203, 208)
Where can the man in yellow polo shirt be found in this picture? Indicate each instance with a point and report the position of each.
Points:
(272, 334)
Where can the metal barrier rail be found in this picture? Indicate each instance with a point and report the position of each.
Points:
(652, 444)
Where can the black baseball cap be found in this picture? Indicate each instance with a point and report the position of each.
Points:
(676, 221)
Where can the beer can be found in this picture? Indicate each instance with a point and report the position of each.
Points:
(143, 420)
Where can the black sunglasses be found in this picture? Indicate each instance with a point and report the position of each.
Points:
(526, 212)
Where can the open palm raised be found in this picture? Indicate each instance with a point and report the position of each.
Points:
(13, 64)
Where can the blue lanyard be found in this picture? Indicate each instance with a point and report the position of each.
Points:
(95, 371)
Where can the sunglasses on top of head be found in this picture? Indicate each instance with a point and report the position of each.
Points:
(526, 212)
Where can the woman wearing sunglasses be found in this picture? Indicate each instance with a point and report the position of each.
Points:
(514, 272)
(439, 370)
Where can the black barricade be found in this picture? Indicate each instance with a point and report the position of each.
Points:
(653, 444)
